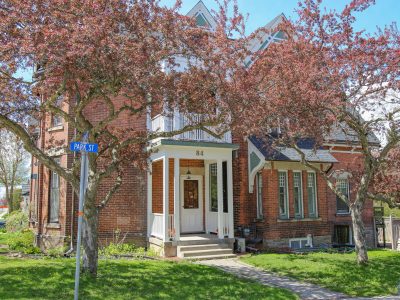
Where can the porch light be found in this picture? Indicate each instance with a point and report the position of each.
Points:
(188, 173)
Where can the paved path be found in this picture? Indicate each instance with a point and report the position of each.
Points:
(306, 291)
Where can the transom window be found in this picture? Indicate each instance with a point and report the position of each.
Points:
(343, 186)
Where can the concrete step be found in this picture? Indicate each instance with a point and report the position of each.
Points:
(200, 242)
(207, 252)
(208, 257)
(203, 247)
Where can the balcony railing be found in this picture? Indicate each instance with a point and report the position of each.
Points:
(162, 123)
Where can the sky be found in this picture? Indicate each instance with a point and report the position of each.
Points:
(384, 12)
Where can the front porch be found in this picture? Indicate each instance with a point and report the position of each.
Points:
(190, 196)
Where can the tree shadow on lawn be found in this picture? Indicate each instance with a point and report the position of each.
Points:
(54, 279)
(340, 272)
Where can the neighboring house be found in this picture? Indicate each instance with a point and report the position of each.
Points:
(203, 190)
(3, 202)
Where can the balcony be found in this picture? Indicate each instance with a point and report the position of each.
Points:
(162, 123)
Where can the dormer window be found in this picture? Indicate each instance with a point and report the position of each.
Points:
(201, 20)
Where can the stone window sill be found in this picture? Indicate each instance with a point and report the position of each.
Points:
(259, 219)
(53, 225)
(342, 214)
(300, 220)
(56, 128)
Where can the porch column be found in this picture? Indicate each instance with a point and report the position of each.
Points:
(220, 200)
(149, 200)
(207, 193)
(230, 196)
(177, 205)
(165, 198)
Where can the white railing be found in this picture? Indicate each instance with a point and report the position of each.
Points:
(157, 226)
(226, 223)
(162, 123)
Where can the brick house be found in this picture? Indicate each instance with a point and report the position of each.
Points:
(205, 191)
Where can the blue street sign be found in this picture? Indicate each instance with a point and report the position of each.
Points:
(79, 146)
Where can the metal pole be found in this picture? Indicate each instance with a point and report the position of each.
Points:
(82, 191)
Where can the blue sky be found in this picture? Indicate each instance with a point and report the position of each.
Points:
(384, 12)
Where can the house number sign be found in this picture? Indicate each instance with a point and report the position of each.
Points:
(199, 153)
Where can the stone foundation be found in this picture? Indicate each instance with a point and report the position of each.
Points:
(284, 243)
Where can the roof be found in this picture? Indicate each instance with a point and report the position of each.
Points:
(342, 134)
(289, 154)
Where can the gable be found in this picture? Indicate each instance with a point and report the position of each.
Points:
(202, 16)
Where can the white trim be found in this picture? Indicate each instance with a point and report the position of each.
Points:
(199, 178)
(316, 194)
(301, 240)
(201, 8)
(259, 202)
(301, 194)
(251, 148)
(177, 199)
(149, 199)
(220, 199)
(287, 195)
(229, 188)
(165, 198)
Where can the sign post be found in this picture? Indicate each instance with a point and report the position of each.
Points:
(84, 148)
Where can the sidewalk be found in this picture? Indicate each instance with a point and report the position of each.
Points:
(306, 291)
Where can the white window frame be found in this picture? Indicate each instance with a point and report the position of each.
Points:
(56, 218)
(316, 195)
(259, 192)
(303, 242)
(338, 182)
(301, 215)
(286, 203)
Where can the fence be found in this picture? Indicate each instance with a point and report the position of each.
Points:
(389, 235)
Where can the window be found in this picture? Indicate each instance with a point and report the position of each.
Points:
(343, 186)
(283, 196)
(342, 235)
(54, 203)
(297, 194)
(259, 196)
(56, 120)
(214, 187)
(312, 195)
(191, 194)
(299, 243)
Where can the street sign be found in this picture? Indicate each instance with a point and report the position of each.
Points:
(79, 146)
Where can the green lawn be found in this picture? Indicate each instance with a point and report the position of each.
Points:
(3, 237)
(123, 279)
(338, 272)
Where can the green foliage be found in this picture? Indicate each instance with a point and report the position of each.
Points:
(17, 221)
(56, 251)
(127, 279)
(3, 230)
(338, 272)
(23, 242)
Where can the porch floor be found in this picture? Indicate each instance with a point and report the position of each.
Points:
(198, 237)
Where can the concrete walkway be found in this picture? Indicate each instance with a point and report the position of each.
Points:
(304, 290)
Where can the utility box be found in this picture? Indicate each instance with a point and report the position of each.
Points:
(241, 245)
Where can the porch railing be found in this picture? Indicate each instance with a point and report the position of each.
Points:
(162, 123)
(157, 226)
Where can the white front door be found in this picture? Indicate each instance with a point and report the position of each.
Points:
(191, 204)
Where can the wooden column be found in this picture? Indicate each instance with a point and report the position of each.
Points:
(220, 200)
(230, 196)
(177, 204)
(165, 198)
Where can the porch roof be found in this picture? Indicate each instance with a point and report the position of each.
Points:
(169, 142)
(289, 154)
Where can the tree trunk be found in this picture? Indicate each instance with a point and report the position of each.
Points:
(359, 233)
(9, 199)
(90, 240)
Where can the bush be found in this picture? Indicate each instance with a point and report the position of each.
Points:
(56, 251)
(23, 242)
(17, 221)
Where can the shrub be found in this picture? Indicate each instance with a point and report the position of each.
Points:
(23, 242)
(17, 221)
(56, 251)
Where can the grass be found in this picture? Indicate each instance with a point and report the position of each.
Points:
(4, 237)
(338, 272)
(123, 279)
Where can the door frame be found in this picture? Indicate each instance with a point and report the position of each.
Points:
(199, 178)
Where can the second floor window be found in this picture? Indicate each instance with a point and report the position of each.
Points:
(283, 195)
(54, 197)
(56, 121)
(259, 196)
(343, 186)
(312, 195)
(298, 195)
